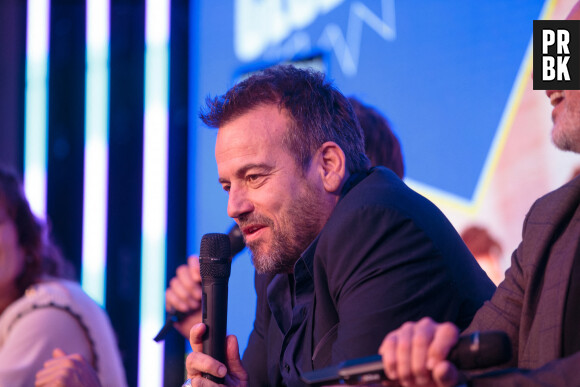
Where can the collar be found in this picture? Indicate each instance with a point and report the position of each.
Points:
(303, 267)
(353, 180)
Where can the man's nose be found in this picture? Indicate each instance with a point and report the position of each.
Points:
(238, 202)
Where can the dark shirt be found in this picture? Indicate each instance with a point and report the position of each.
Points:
(290, 300)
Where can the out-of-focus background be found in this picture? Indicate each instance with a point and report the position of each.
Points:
(99, 102)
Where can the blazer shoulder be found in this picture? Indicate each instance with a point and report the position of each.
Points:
(556, 204)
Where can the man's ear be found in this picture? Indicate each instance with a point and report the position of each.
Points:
(332, 166)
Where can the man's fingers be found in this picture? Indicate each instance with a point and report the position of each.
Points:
(198, 363)
(444, 338)
(403, 353)
(421, 341)
(179, 298)
(388, 350)
(193, 263)
(232, 350)
(445, 374)
(195, 275)
(195, 337)
(183, 273)
(184, 291)
(189, 280)
(234, 362)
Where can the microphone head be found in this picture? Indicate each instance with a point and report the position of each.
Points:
(214, 256)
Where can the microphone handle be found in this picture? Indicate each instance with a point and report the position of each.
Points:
(481, 350)
(171, 317)
(474, 351)
(214, 315)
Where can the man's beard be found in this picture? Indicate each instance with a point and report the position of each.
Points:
(563, 141)
(566, 129)
(298, 227)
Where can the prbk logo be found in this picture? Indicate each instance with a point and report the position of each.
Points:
(556, 54)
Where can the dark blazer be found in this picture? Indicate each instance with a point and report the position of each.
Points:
(386, 255)
(529, 303)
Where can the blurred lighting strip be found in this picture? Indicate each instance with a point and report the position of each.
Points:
(96, 150)
(155, 149)
(36, 104)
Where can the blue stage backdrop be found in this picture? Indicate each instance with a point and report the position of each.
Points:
(441, 71)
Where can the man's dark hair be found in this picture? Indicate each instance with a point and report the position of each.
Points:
(318, 112)
(381, 145)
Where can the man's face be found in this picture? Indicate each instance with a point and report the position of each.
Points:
(566, 112)
(279, 207)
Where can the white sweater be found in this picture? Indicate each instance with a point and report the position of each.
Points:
(56, 314)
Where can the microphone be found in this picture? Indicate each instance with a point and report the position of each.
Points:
(474, 351)
(237, 245)
(214, 265)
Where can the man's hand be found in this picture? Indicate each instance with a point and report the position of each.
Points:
(198, 363)
(67, 371)
(415, 354)
(184, 295)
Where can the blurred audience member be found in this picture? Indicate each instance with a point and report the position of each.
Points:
(381, 145)
(39, 309)
(486, 250)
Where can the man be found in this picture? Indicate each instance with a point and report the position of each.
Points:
(382, 147)
(340, 248)
(537, 304)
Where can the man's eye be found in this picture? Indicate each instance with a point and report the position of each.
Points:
(226, 188)
(255, 180)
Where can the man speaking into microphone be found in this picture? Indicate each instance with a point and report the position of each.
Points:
(344, 253)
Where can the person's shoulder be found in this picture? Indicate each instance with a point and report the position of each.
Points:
(565, 196)
(61, 294)
(377, 187)
(374, 205)
(383, 191)
(51, 290)
(553, 209)
(39, 294)
(39, 302)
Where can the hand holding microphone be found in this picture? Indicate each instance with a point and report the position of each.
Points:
(214, 265)
(477, 350)
(183, 296)
(424, 351)
(183, 299)
(211, 348)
